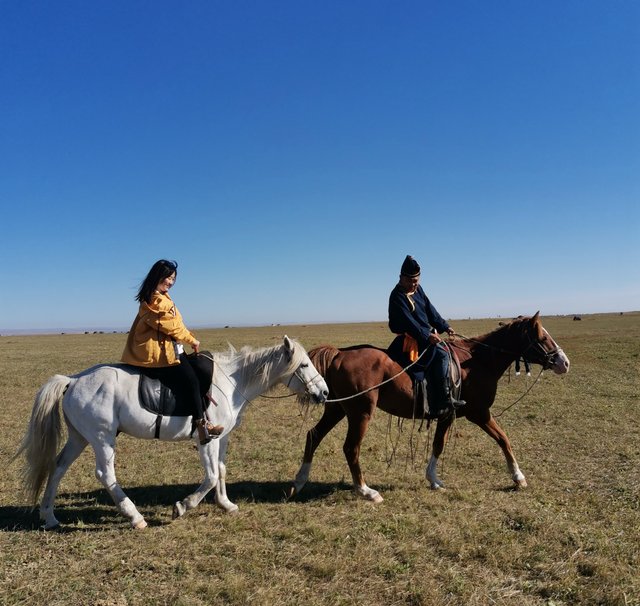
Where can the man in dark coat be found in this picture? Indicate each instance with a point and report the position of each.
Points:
(417, 322)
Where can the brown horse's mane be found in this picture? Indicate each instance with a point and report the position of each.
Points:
(500, 334)
(322, 356)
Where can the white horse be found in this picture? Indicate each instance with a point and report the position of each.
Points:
(102, 401)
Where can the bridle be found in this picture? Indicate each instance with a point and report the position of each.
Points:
(308, 384)
(545, 358)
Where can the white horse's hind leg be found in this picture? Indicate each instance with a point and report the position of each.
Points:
(71, 451)
(432, 474)
(106, 474)
(209, 459)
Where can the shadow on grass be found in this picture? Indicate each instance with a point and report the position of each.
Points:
(95, 511)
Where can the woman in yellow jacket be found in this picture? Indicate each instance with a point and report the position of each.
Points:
(155, 343)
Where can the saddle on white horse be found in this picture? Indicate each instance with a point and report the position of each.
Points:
(157, 397)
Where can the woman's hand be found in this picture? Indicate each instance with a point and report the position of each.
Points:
(196, 346)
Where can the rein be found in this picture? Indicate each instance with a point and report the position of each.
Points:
(522, 396)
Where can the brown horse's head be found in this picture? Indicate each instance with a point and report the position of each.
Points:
(539, 347)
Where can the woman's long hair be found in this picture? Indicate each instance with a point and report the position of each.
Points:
(161, 269)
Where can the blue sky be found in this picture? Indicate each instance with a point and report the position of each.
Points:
(290, 154)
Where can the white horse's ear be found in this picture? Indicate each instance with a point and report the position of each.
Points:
(288, 344)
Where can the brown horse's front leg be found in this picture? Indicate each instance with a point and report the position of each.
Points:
(332, 415)
(439, 441)
(358, 425)
(491, 427)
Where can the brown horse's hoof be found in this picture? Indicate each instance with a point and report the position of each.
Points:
(520, 484)
(292, 492)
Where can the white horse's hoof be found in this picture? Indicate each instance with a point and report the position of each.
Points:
(437, 485)
(141, 525)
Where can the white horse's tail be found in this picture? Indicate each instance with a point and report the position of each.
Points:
(40, 443)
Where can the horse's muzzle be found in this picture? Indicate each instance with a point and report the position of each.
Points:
(560, 363)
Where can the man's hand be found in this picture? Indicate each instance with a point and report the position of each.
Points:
(434, 337)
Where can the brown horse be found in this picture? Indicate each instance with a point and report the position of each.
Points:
(483, 360)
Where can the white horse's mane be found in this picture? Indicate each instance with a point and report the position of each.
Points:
(252, 363)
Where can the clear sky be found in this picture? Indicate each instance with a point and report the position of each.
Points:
(290, 154)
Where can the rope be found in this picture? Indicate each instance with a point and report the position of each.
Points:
(361, 393)
(496, 416)
(521, 397)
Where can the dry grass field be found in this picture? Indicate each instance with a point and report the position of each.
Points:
(572, 537)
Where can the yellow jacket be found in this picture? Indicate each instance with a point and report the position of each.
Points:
(153, 333)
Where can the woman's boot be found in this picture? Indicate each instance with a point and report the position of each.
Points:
(207, 431)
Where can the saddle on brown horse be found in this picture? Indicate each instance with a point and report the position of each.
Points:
(404, 351)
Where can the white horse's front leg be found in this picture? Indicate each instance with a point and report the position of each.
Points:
(432, 474)
(222, 500)
(209, 457)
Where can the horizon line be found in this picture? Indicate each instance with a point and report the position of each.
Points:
(14, 332)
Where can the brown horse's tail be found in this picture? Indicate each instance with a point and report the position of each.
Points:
(322, 357)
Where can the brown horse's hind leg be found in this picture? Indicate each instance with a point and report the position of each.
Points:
(332, 415)
(358, 425)
(491, 427)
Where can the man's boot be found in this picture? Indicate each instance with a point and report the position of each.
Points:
(452, 402)
(420, 398)
(442, 403)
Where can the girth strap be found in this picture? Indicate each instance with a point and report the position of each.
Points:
(158, 423)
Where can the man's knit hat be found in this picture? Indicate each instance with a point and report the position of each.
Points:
(410, 267)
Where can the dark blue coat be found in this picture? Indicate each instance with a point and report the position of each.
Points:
(417, 320)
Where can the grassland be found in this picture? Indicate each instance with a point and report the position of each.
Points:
(573, 537)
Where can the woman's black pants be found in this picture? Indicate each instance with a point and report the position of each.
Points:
(181, 379)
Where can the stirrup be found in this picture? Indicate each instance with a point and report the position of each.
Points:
(207, 431)
(441, 413)
(457, 404)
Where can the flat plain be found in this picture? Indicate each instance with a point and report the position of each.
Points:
(571, 537)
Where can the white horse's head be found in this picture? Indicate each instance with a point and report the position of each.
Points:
(304, 379)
